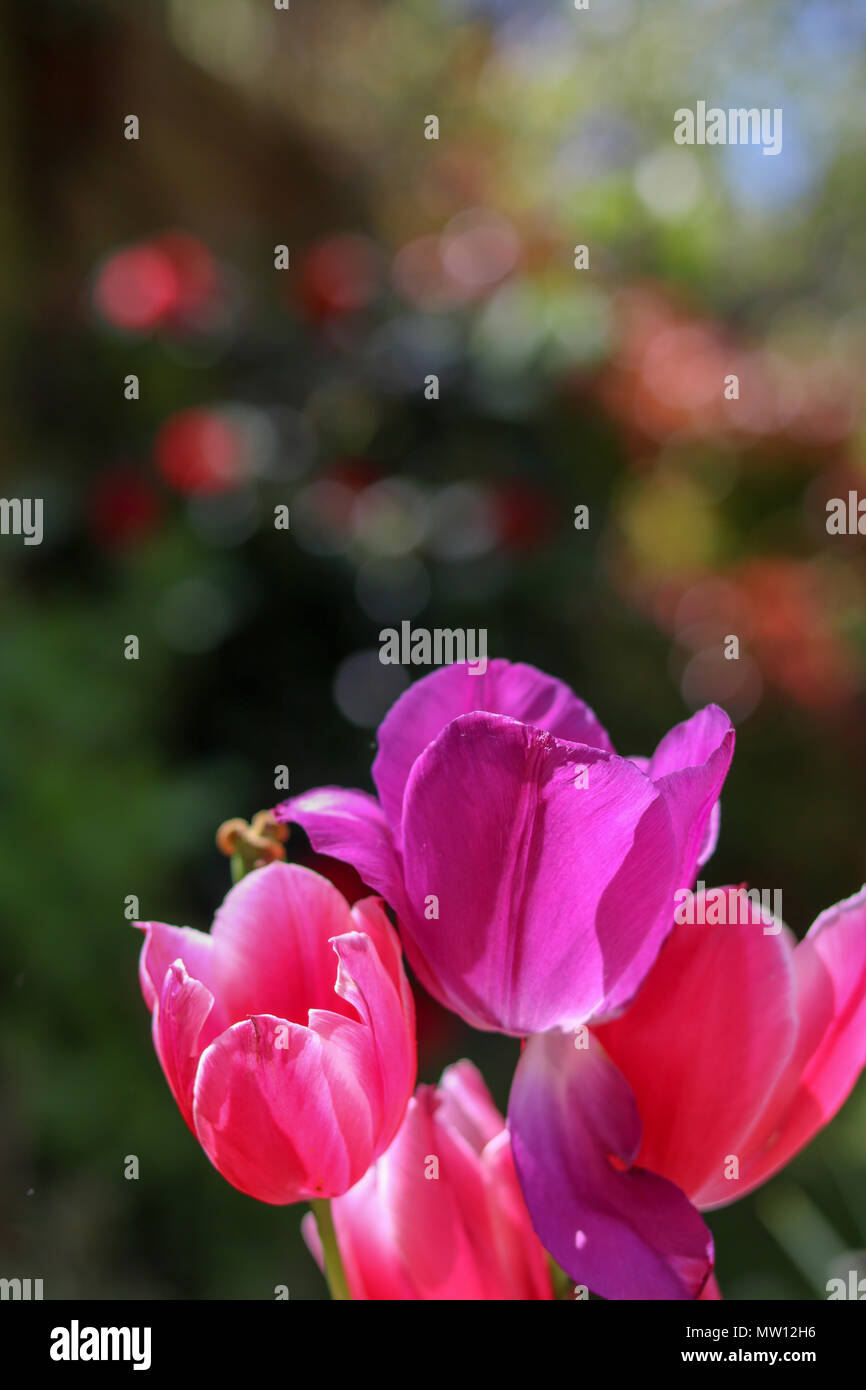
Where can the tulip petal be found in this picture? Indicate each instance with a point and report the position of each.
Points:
(623, 1232)
(521, 1256)
(518, 691)
(830, 1052)
(368, 916)
(688, 767)
(418, 1217)
(508, 1245)
(467, 1106)
(383, 1053)
(287, 1112)
(280, 1114)
(440, 1215)
(181, 1031)
(164, 945)
(536, 871)
(711, 837)
(371, 1260)
(299, 1104)
(836, 947)
(666, 764)
(350, 826)
(705, 1042)
(271, 943)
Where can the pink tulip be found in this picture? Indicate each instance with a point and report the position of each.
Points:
(287, 1035)
(532, 869)
(740, 1046)
(440, 1216)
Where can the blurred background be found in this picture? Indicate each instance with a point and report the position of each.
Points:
(306, 387)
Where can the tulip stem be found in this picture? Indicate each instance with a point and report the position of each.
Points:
(562, 1284)
(334, 1271)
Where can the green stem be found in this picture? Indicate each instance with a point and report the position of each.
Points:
(334, 1271)
(563, 1287)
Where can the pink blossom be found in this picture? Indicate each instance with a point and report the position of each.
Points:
(741, 1045)
(287, 1035)
(440, 1215)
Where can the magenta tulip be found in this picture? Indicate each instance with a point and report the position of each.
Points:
(287, 1035)
(532, 869)
(740, 1046)
(440, 1216)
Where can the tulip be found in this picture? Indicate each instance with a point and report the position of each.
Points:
(287, 1035)
(740, 1046)
(532, 869)
(440, 1215)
